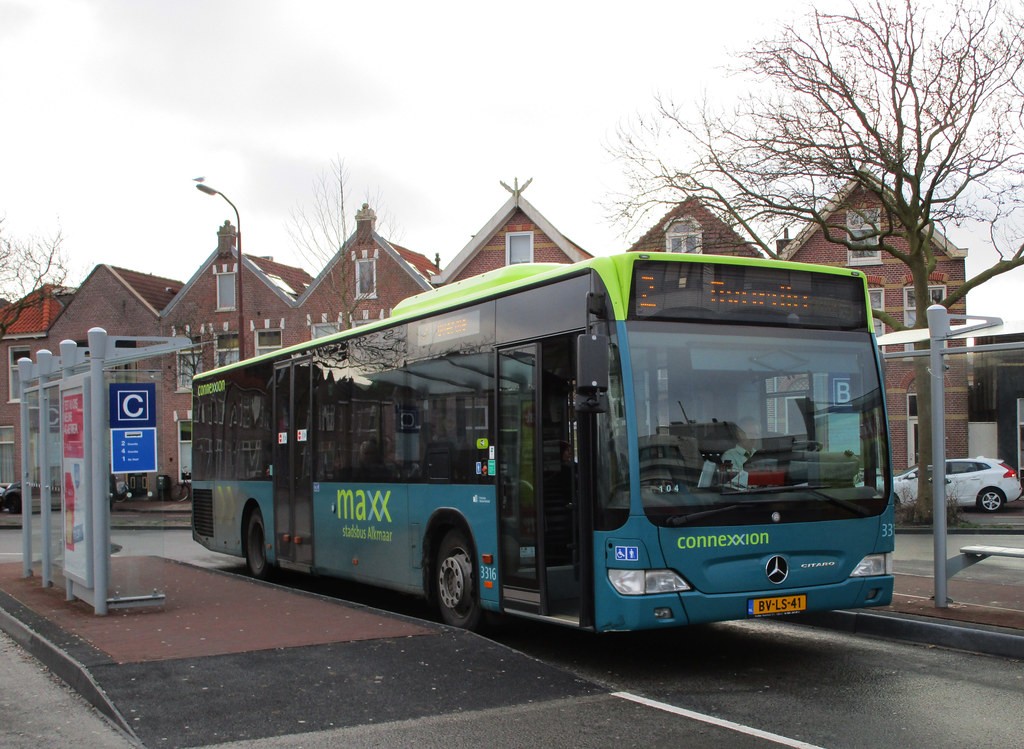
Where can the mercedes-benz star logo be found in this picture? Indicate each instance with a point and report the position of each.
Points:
(777, 569)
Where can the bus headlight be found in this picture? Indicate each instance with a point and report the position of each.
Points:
(873, 565)
(646, 582)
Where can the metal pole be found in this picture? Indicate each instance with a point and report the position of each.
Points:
(238, 229)
(25, 374)
(45, 361)
(938, 329)
(100, 471)
(241, 316)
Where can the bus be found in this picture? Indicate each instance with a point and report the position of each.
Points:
(630, 442)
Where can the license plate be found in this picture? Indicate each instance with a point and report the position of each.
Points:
(776, 605)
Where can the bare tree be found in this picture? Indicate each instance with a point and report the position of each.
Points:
(920, 108)
(320, 228)
(26, 266)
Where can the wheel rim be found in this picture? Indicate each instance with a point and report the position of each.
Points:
(991, 501)
(453, 580)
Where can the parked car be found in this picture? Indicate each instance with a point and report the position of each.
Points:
(987, 483)
(10, 500)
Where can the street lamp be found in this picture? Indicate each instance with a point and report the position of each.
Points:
(238, 228)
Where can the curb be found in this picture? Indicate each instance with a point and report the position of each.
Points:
(974, 638)
(66, 668)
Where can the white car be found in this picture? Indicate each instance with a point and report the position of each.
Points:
(987, 483)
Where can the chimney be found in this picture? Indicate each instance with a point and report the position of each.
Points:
(366, 224)
(437, 260)
(780, 244)
(226, 236)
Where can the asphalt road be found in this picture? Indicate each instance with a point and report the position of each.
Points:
(755, 684)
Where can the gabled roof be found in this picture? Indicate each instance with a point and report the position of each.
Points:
(423, 265)
(290, 279)
(36, 312)
(418, 266)
(719, 237)
(286, 281)
(840, 199)
(517, 202)
(155, 292)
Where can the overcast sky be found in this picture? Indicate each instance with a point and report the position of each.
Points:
(111, 107)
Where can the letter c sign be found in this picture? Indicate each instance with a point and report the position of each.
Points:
(132, 405)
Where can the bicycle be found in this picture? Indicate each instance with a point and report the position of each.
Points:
(182, 490)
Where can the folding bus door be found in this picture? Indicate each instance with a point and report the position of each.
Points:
(538, 480)
(293, 463)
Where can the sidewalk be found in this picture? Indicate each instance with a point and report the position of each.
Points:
(228, 658)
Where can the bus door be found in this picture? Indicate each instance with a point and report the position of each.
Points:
(538, 480)
(293, 463)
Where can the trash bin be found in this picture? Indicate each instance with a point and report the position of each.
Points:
(163, 487)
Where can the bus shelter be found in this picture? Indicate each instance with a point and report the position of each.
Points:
(994, 352)
(66, 456)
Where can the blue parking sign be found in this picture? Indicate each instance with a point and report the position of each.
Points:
(133, 450)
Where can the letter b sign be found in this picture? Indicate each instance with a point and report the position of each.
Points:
(842, 392)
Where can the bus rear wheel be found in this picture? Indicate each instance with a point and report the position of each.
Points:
(457, 597)
(256, 546)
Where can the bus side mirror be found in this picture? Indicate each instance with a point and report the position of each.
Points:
(591, 372)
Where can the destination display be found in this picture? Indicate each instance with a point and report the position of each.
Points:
(747, 294)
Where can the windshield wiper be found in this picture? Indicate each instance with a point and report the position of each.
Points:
(816, 490)
(677, 520)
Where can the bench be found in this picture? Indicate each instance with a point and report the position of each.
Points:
(970, 555)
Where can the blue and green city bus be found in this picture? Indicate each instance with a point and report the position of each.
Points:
(630, 442)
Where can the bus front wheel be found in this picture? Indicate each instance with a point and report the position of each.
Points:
(256, 546)
(456, 584)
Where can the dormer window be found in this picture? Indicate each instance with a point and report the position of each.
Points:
(684, 235)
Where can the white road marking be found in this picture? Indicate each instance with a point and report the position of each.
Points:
(738, 727)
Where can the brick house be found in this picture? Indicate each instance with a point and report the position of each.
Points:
(26, 326)
(364, 280)
(206, 310)
(517, 233)
(690, 227)
(891, 289)
(126, 303)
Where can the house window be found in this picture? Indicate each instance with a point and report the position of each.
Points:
(227, 349)
(7, 471)
(935, 295)
(225, 291)
(267, 341)
(862, 226)
(185, 446)
(912, 452)
(16, 352)
(366, 278)
(190, 363)
(877, 297)
(684, 236)
(321, 329)
(518, 247)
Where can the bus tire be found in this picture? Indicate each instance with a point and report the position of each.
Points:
(457, 597)
(256, 546)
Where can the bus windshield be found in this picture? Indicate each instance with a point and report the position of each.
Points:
(739, 425)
